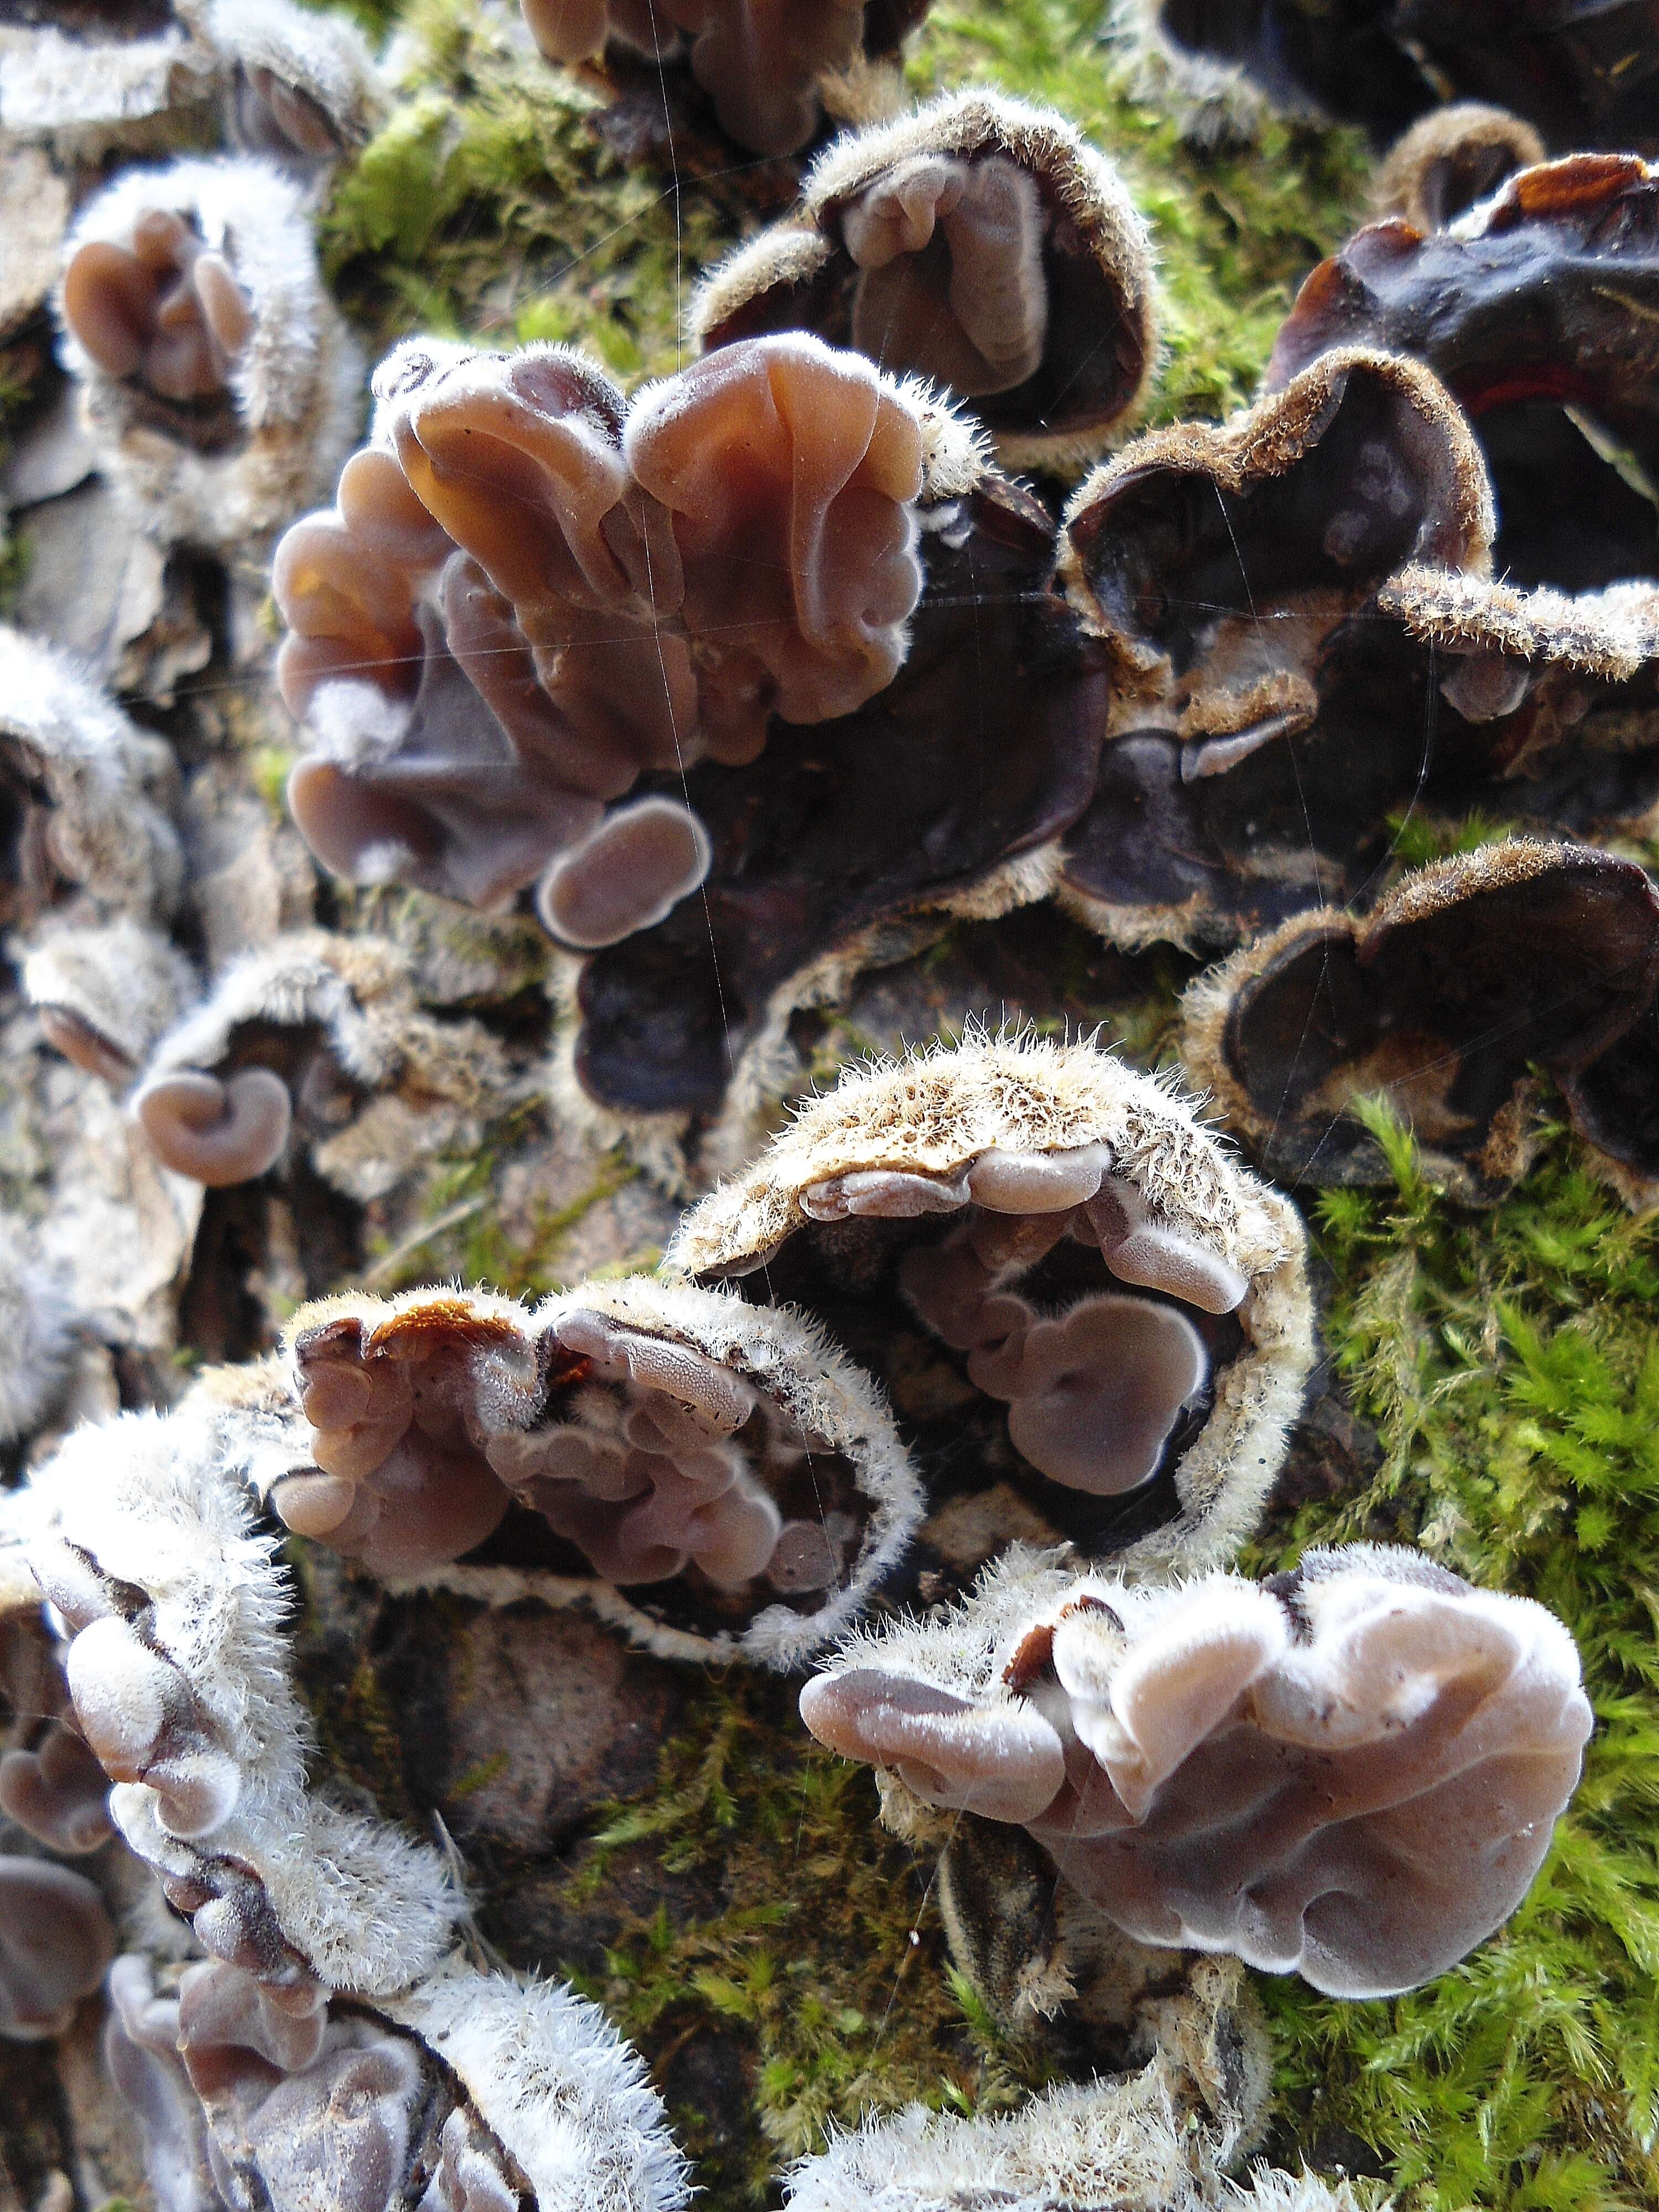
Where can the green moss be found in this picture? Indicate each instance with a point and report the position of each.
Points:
(491, 205)
(823, 1971)
(1509, 1362)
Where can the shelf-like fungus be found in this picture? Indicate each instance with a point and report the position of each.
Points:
(980, 243)
(1450, 161)
(1352, 1771)
(1423, 1000)
(321, 1041)
(219, 384)
(1038, 1229)
(707, 1472)
(532, 592)
(1230, 576)
(303, 90)
(1535, 310)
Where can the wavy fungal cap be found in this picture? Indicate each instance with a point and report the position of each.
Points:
(1351, 1771)
(1134, 1298)
(979, 243)
(736, 1483)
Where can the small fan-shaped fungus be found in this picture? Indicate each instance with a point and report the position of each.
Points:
(304, 89)
(55, 1942)
(1424, 1000)
(1351, 1771)
(1011, 1199)
(743, 1487)
(320, 1041)
(219, 384)
(980, 243)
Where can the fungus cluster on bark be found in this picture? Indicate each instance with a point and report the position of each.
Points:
(1352, 1771)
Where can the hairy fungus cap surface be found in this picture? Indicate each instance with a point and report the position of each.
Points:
(1352, 1771)
(1450, 161)
(995, 1209)
(979, 243)
(1424, 1001)
(739, 1484)
(218, 382)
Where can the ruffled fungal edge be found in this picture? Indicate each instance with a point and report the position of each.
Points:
(1085, 183)
(297, 385)
(783, 1353)
(935, 1112)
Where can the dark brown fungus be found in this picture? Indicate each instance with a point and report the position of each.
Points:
(633, 1445)
(1263, 722)
(1450, 160)
(1442, 998)
(55, 1942)
(217, 1132)
(1042, 1315)
(761, 62)
(940, 789)
(1539, 313)
(1352, 1772)
(1583, 72)
(979, 243)
(1342, 61)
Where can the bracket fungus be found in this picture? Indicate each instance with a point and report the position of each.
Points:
(1422, 999)
(1230, 576)
(56, 1940)
(219, 384)
(1450, 160)
(1582, 72)
(712, 1476)
(532, 592)
(1038, 1227)
(320, 1041)
(766, 68)
(1351, 1771)
(176, 1621)
(85, 796)
(980, 243)
(1537, 312)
